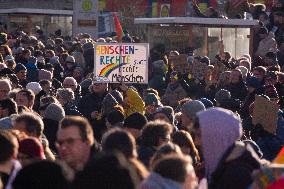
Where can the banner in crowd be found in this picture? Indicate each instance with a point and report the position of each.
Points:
(265, 113)
(122, 62)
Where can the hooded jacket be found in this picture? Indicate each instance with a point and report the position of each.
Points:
(228, 164)
(220, 128)
(135, 103)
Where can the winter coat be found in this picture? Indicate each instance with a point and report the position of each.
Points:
(174, 93)
(158, 82)
(89, 103)
(79, 58)
(50, 130)
(280, 126)
(235, 168)
(58, 72)
(145, 153)
(156, 181)
(238, 91)
(134, 104)
(268, 143)
(89, 59)
(56, 83)
(32, 72)
(71, 109)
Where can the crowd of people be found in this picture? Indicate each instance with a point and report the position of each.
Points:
(62, 127)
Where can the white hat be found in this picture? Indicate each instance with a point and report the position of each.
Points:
(34, 86)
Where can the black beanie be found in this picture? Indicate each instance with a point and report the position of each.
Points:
(135, 121)
(115, 116)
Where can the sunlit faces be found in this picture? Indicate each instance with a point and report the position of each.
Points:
(22, 75)
(4, 89)
(235, 77)
(99, 87)
(72, 148)
(22, 99)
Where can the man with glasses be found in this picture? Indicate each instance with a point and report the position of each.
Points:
(75, 142)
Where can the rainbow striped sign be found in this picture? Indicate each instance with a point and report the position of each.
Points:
(122, 62)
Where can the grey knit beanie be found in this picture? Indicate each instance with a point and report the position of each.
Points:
(191, 108)
(54, 112)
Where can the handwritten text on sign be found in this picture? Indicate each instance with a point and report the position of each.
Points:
(122, 62)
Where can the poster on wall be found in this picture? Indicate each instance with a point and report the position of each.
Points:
(165, 10)
(122, 62)
(85, 17)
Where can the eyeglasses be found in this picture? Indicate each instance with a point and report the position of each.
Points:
(67, 142)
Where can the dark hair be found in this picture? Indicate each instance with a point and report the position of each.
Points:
(82, 124)
(184, 139)
(26, 51)
(46, 173)
(165, 149)
(119, 140)
(115, 116)
(7, 50)
(260, 69)
(8, 143)
(107, 171)
(174, 167)
(44, 82)
(9, 104)
(50, 52)
(38, 53)
(33, 123)
(28, 93)
(153, 131)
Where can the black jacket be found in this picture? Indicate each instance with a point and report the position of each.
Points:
(71, 109)
(50, 130)
(88, 104)
(238, 91)
(235, 168)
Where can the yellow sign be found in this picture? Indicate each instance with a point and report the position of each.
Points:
(87, 5)
(165, 10)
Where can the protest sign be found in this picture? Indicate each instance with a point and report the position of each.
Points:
(198, 70)
(123, 62)
(180, 63)
(265, 113)
(219, 68)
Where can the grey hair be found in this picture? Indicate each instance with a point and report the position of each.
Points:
(66, 94)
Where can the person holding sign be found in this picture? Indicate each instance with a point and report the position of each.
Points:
(174, 92)
(265, 120)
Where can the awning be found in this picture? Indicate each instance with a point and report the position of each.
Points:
(36, 11)
(216, 22)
